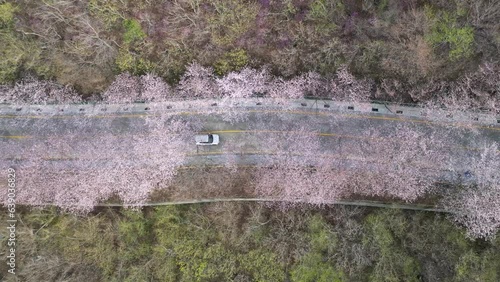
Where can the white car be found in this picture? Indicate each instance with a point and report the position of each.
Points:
(207, 139)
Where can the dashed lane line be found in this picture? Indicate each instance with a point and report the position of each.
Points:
(322, 134)
(15, 136)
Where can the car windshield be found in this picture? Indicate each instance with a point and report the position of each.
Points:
(210, 138)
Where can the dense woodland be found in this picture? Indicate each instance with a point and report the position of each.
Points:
(249, 242)
(410, 50)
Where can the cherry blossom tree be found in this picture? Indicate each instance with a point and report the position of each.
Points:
(475, 204)
(293, 170)
(91, 168)
(404, 167)
(296, 87)
(31, 90)
(127, 88)
(124, 89)
(474, 91)
(154, 88)
(245, 83)
(344, 86)
(410, 160)
(479, 90)
(296, 163)
(198, 82)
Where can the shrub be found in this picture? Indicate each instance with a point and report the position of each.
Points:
(312, 267)
(133, 31)
(12, 57)
(134, 235)
(106, 11)
(173, 61)
(15, 53)
(126, 61)
(6, 14)
(263, 265)
(87, 79)
(325, 13)
(445, 30)
(327, 59)
(369, 62)
(383, 233)
(234, 60)
(320, 236)
(230, 20)
(318, 11)
(289, 9)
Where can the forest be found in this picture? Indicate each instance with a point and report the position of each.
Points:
(402, 50)
(249, 242)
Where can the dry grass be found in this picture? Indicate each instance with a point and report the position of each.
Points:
(206, 183)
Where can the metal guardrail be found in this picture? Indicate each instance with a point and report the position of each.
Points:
(175, 99)
(307, 97)
(263, 96)
(143, 107)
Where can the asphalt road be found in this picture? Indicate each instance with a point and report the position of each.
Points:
(368, 141)
(86, 137)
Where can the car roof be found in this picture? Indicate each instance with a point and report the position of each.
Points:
(201, 138)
